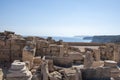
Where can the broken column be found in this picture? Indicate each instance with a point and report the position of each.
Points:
(88, 60)
(44, 70)
(50, 65)
(61, 50)
(29, 53)
(18, 71)
(96, 54)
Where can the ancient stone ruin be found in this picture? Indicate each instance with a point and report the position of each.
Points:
(36, 58)
(18, 71)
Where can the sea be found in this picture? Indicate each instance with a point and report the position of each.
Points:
(71, 39)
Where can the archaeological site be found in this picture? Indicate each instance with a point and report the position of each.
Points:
(37, 58)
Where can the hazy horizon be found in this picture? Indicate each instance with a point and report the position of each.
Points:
(60, 17)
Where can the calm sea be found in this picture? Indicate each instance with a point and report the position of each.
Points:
(71, 39)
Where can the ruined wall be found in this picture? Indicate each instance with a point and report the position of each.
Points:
(42, 48)
(100, 73)
(110, 51)
(28, 53)
(11, 46)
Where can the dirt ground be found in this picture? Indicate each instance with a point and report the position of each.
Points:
(82, 48)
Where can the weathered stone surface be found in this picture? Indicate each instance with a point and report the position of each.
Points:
(96, 54)
(63, 62)
(55, 76)
(109, 63)
(98, 64)
(37, 61)
(114, 69)
(75, 56)
(1, 74)
(73, 49)
(116, 78)
(100, 73)
(78, 74)
(44, 71)
(71, 74)
(50, 65)
(29, 53)
(88, 60)
(11, 47)
(117, 53)
(18, 71)
(56, 56)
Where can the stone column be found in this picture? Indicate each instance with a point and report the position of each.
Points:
(88, 60)
(97, 55)
(61, 51)
(78, 74)
(44, 70)
(50, 65)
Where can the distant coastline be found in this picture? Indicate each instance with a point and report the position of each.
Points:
(88, 39)
(71, 39)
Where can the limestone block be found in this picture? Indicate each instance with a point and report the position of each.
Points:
(96, 55)
(42, 43)
(7, 44)
(4, 55)
(18, 71)
(71, 74)
(100, 73)
(116, 78)
(2, 43)
(1, 74)
(50, 65)
(115, 72)
(55, 76)
(44, 70)
(28, 55)
(88, 60)
(117, 53)
(16, 55)
(30, 38)
(63, 62)
(15, 47)
(114, 69)
(98, 64)
(109, 63)
(75, 56)
(8, 32)
(37, 60)
(36, 77)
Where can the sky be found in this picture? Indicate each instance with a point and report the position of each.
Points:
(60, 17)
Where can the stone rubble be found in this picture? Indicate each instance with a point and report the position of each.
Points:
(18, 71)
(36, 58)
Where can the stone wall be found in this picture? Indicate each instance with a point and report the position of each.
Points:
(11, 47)
(29, 53)
(100, 73)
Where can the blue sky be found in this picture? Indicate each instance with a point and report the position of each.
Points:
(60, 17)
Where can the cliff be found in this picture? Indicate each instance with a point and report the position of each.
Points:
(88, 38)
(106, 39)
